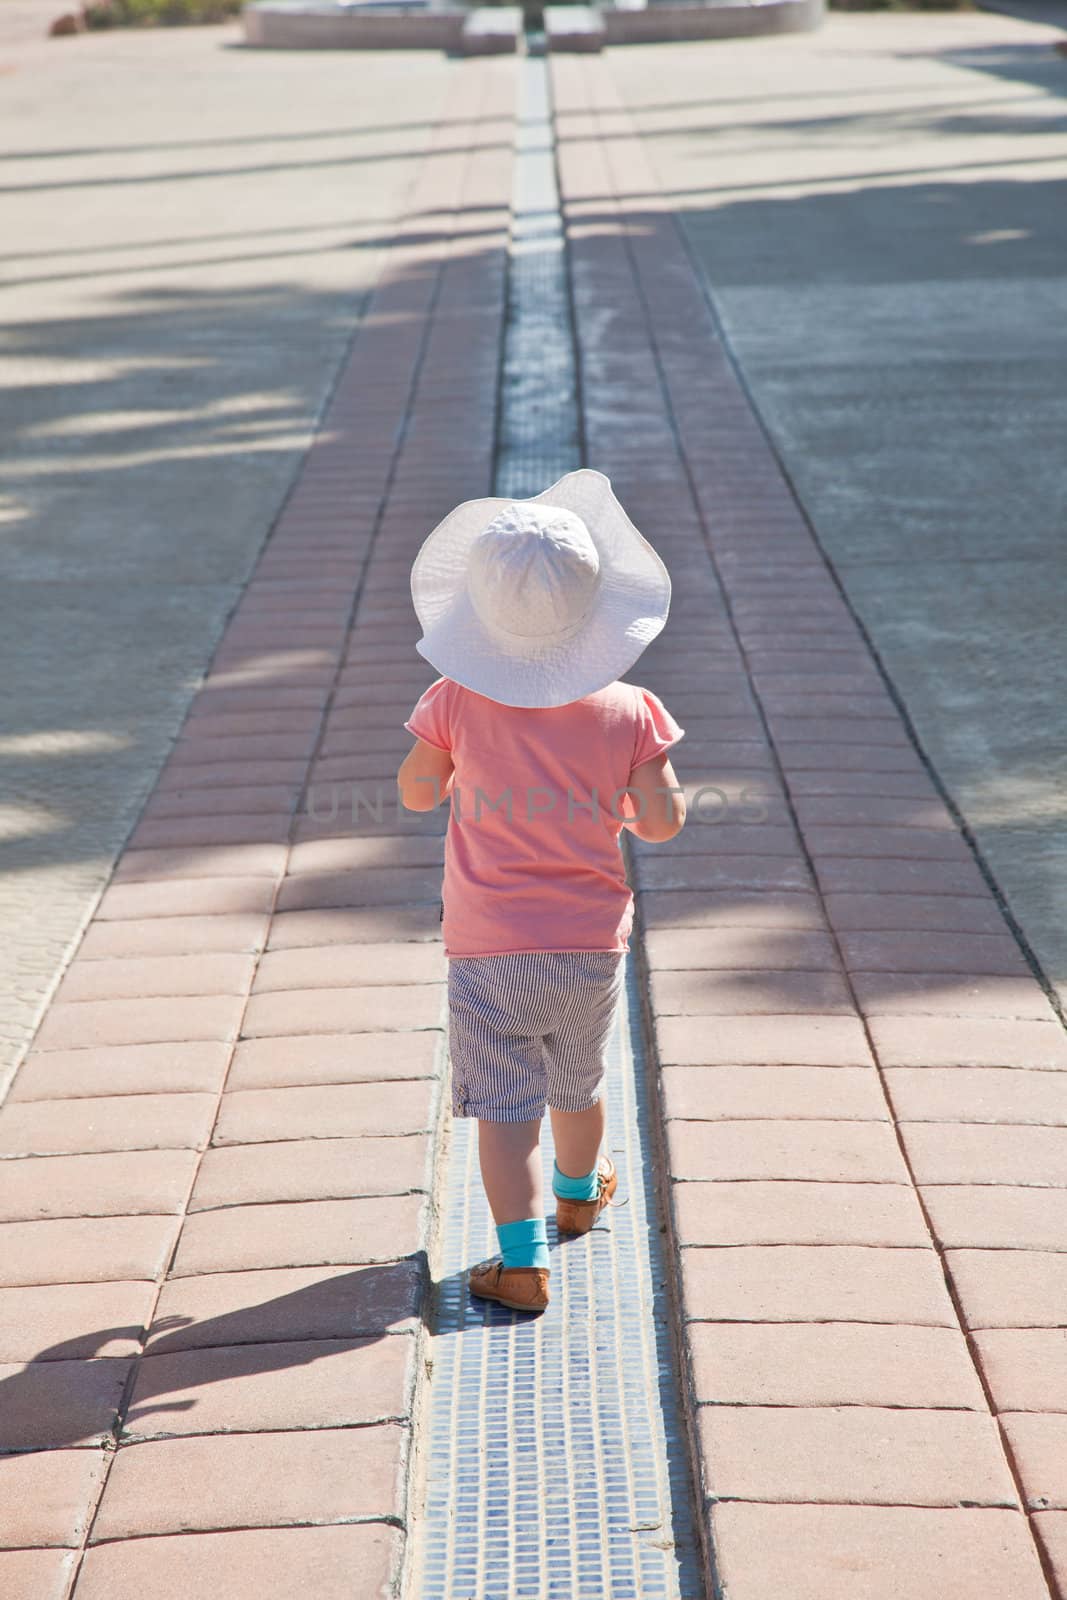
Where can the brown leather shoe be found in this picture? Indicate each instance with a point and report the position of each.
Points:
(578, 1216)
(520, 1288)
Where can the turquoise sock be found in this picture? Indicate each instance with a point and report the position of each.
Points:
(574, 1188)
(524, 1244)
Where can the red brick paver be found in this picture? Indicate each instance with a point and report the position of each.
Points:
(284, 1560)
(220, 1147)
(851, 1049)
(213, 1223)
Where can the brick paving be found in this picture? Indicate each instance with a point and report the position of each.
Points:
(851, 196)
(860, 1078)
(216, 1198)
(149, 430)
(215, 1203)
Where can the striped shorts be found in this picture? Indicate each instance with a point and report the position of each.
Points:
(526, 1030)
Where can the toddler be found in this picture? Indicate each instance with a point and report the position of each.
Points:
(531, 610)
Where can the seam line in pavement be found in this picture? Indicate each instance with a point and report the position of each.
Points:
(545, 1452)
(467, 126)
(772, 742)
(833, 573)
(313, 426)
(934, 1242)
(611, 193)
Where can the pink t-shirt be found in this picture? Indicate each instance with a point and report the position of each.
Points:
(532, 858)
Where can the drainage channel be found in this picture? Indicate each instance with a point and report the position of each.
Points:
(553, 1455)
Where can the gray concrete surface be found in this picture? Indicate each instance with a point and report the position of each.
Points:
(1052, 12)
(880, 212)
(24, 22)
(190, 232)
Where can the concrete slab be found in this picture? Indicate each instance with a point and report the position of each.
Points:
(177, 299)
(282, 25)
(666, 417)
(492, 31)
(711, 19)
(409, 425)
(878, 210)
(570, 29)
(280, 1361)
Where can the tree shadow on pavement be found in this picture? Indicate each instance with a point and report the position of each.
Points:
(901, 329)
(219, 141)
(1038, 64)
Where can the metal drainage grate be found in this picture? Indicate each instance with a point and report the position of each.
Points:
(555, 1463)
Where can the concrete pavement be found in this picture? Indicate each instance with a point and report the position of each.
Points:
(226, 1148)
(180, 280)
(835, 1174)
(282, 1273)
(879, 212)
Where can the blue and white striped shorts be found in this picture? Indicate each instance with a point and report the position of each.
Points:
(526, 1030)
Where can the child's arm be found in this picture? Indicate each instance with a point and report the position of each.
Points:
(425, 777)
(660, 815)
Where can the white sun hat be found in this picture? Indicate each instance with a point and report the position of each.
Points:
(539, 602)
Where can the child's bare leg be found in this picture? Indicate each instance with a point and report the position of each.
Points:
(510, 1158)
(578, 1136)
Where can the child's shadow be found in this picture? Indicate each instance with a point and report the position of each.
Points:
(70, 1393)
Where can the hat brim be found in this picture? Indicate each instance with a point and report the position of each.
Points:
(630, 609)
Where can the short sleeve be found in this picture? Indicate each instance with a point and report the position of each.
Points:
(431, 719)
(655, 731)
